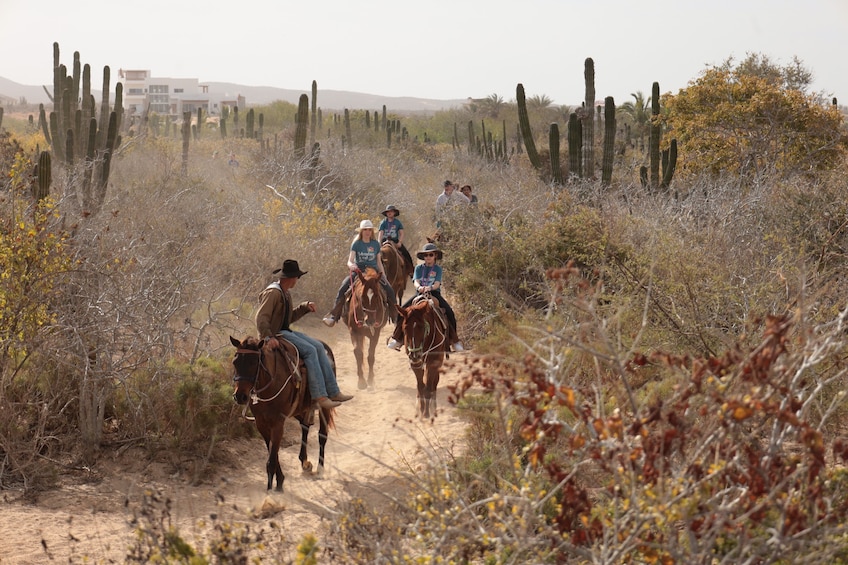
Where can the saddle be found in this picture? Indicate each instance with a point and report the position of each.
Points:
(441, 318)
(289, 355)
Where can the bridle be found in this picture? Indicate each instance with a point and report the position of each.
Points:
(254, 392)
(417, 354)
(380, 320)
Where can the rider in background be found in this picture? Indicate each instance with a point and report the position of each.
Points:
(364, 253)
(274, 317)
(391, 229)
(428, 279)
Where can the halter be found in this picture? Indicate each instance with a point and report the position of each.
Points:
(359, 323)
(254, 396)
(412, 350)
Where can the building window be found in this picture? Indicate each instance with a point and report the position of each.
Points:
(178, 90)
(158, 89)
(136, 91)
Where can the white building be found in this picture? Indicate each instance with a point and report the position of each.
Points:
(171, 96)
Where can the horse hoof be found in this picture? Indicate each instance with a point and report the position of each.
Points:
(362, 385)
(307, 467)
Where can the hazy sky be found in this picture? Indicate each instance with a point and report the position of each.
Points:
(442, 49)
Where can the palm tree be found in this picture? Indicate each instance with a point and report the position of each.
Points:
(538, 102)
(639, 112)
(492, 105)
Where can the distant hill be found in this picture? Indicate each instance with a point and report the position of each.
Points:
(12, 92)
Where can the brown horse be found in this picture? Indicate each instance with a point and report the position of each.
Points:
(275, 383)
(396, 269)
(365, 315)
(426, 340)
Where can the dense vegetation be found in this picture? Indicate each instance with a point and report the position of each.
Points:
(660, 370)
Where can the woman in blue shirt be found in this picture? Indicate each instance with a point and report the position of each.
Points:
(428, 279)
(364, 253)
(391, 229)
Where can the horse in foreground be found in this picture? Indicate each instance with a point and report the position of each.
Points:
(425, 337)
(365, 315)
(274, 382)
(396, 269)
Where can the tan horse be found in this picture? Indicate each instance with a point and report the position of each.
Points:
(365, 316)
(275, 384)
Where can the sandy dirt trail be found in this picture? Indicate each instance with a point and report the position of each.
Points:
(377, 437)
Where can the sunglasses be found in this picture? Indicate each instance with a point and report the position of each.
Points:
(429, 255)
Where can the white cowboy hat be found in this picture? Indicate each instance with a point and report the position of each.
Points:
(365, 225)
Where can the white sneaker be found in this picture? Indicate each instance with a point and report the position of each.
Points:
(457, 347)
(329, 320)
(394, 344)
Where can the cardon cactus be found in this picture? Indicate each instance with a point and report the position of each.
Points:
(43, 177)
(301, 124)
(556, 170)
(654, 144)
(588, 170)
(575, 142)
(77, 138)
(524, 124)
(609, 140)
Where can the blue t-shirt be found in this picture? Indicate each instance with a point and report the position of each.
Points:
(426, 276)
(365, 253)
(390, 228)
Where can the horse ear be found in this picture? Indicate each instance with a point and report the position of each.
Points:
(235, 342)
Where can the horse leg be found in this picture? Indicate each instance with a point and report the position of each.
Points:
(305, 463)
(432, 383)
(372, 349)
(323, 429)
(422, 392)
(273, 469)
(356, 339)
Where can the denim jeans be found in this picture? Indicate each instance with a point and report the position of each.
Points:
(322, 379)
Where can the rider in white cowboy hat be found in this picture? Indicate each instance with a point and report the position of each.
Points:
(274, 317)
(364, 252)
(391, 229)
(428, 279)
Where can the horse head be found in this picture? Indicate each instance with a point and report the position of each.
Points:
(368, 301)
(247, 362)
(418, 331)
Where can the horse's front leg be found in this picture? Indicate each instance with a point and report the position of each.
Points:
(356, 339)
(421, 400)
(273, 468)
(374, 340)
(432, 383)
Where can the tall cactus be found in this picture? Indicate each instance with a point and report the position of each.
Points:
(589, 120)
(524, 124)
(77, 138)
(186, 132)
(654, 144)
(348, 131)
(43, 177)
(553, 141)
(314, 117)
(669, 164)
(609, 140)
(301, 124)
(575, 142)
(249, 124)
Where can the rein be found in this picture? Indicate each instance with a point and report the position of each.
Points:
(434, 346)
(261, 366)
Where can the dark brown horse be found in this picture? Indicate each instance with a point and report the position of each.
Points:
(365, 315)
(275, 384)
(396, 268)
(425, 337)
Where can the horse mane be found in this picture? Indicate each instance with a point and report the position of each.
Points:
(418, 306)
(370, 274)
(251, 342)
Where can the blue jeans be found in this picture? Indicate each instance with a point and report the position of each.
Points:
(322, 378)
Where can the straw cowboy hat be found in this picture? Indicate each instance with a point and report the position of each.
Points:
(290, 270)
(365, 225)
(392, 208)
(430, 248)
